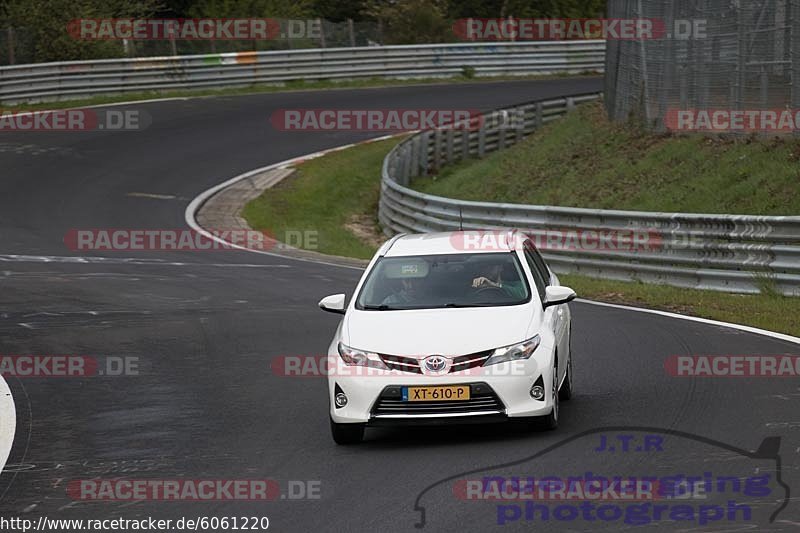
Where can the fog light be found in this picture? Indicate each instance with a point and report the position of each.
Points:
(537, 392)
(340, 400)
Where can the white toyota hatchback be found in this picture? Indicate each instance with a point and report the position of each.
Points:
(454, 327)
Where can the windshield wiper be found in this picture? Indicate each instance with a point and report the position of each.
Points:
(382, 307)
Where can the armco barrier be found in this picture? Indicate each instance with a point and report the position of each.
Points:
(77, 79)
(733, 253)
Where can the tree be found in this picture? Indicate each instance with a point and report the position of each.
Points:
(42, 24)
(412, 21)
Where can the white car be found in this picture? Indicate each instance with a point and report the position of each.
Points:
(454, 327)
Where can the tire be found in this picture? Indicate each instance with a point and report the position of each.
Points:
(550, 422)
(565, 392)
(345, 434)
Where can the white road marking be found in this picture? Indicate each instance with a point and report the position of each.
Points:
(8, 422)
(151, 195)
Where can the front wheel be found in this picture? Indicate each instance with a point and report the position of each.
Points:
(565, 393)
(347, 433)
(549, 422)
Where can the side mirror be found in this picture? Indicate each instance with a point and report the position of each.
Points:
(556, 295)
(333, 303)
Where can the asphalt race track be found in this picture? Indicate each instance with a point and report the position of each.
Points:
(205, 326)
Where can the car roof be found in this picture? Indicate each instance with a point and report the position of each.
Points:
(452, 242)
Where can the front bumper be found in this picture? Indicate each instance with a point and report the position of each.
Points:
(498, 392)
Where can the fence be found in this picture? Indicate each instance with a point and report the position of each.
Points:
(18, 45)
(75, 79)
(720, 252)
(716, 54)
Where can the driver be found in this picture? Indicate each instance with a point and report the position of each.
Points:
(493, 279)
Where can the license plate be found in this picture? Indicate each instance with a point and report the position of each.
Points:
(434, 394)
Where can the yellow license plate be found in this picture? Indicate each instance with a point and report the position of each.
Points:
(436, 394)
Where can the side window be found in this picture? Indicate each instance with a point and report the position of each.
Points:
(537, 275)
(540, 264)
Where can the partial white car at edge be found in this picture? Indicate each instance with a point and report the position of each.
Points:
(458, 327)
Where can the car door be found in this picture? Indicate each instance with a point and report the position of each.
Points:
(556, 318)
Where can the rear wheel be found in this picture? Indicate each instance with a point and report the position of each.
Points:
(347, 433)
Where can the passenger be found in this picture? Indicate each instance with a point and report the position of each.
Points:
(409, 293)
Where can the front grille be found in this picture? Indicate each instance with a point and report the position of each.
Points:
(465, 362)
(482, 400)
(403, 364)
(460, 363)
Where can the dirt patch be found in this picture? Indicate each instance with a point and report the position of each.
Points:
(365, 229)
(623, 299)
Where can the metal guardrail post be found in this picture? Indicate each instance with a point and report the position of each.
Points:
(501, 134)
(11, 45)
(321, 33)
(414, 163)
(482, 141)
(437, 148)
(424, 142)
(352, 32)
(450, 140)
(465, 143)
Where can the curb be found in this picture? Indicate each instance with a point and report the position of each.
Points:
(221, 206)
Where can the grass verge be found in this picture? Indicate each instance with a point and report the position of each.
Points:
(337, 195)
(772, 312)
(584, 160)
(299, 85)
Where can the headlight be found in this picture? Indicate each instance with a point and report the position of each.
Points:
(354, 357)
(515, 352)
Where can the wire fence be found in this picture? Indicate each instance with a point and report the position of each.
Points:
(712, 54)
(18, 45)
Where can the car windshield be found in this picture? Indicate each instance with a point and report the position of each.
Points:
(441, 281)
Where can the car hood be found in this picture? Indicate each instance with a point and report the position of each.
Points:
(448, 332)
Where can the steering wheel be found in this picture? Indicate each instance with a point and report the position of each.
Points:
(486, 288)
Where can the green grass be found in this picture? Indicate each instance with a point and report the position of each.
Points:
(324, 195)
(585, 161)
(767, 311)
(328, 192)
(299, 85)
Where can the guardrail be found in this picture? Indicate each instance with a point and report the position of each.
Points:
(78, 79)
(733, 253)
